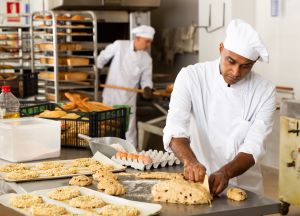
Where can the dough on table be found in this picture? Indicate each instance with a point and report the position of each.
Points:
(46, 209)
(22, 175)
(87, 202)
(25, 200)
(60, 171)
(104, 175)
(48, 165)
(84, 162)
(180, 191)
(111, 187)
(13, 167)
(64, 193)
(236, 194)
(158, 175)
(119, 210)
(81, 180)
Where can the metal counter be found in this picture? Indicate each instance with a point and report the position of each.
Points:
(255, 205)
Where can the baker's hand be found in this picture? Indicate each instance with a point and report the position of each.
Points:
(218, 181)
(194, 171)
(148, 93)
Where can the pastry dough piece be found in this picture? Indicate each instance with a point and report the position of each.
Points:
(87, 202)
(111, 187)
(81, 180)
(77, 17)
(159, 175)
(48, 165)
(60, 171)
(13, 167)
(25, 200)
(84, 162)
(22, 175)
(117, 210)
(104, 175)
(100, 167)
(64, 193)
(46, 209)
(236, 194)
(180, 191)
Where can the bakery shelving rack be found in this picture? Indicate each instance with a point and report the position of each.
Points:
(15, 56)
(64, 52)
(14, 46)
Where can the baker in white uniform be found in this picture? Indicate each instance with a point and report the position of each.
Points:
(221, 112)
(131, 67)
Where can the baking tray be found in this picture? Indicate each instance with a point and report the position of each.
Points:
(81, 171)
(144, 208)
(5, 200)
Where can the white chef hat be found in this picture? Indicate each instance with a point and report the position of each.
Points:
(144, 31)
(243, 40)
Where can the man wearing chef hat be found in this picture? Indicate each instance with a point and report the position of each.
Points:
(131, 67)
(221, 112)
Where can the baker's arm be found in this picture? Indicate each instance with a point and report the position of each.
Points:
(193, 169)
(176, 132)
(106, 54)
(218, 180)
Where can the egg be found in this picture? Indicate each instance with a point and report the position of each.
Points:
(123, 155)
(135, 157)
(141, 158)
(147, 160)
(132, 156)
(118, 154)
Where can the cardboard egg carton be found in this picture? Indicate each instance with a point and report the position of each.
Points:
(158, 158)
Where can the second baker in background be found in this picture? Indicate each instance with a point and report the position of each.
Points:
(131, 67)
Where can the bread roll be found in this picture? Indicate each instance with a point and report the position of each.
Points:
(236, 194)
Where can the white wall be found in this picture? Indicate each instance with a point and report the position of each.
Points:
(209, 42)
(37, 5)
(281, 34)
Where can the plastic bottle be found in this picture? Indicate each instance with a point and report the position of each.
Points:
(9, 104)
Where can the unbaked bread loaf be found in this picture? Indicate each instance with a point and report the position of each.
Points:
(180, 191)
(236, 194)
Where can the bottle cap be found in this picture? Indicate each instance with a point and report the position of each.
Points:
(5, 89)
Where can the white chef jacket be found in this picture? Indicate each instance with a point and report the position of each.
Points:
(222, 121)
(128, 68)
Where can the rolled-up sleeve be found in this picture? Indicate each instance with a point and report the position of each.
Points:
(178, 119)
(261, 127)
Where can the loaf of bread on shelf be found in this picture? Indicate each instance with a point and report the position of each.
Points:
(76, 61)
(6, 67)
(76, 76)
(3, 37)
(63, 17)
(47, 17)
(60, 46)
(77, 17)
(50, 60)
(8, 76)
(38, 17)
(50, 75)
